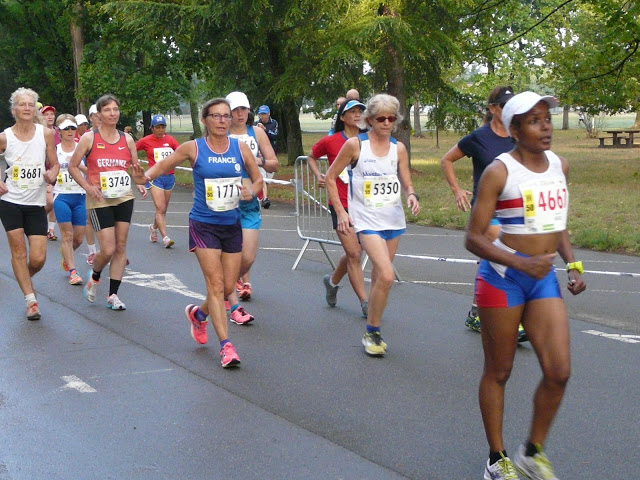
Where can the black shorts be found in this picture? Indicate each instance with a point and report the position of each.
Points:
(106, 217)
(334, 216)
(227, 238)
(31, 218)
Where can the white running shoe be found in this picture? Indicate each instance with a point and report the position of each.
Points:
(90, 287)
(153, 234)
(503, 469)
(114, 303)
(537, 467)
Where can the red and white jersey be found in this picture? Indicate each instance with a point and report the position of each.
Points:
(532, 202)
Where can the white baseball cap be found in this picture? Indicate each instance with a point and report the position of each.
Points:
(93, 109)
(238, 99)
(80, 119)
(67, 124)
(522, 103)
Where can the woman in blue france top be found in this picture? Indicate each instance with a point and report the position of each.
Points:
(215, 234)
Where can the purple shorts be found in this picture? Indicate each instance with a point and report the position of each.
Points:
(227, 238)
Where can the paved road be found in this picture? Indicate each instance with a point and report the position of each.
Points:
(89, 393)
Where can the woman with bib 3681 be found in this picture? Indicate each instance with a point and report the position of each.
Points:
(26, 145)
(109, 154)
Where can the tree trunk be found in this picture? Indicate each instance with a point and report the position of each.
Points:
(146, 122)
(397, 88)
(636, 124)
(565, 117)
(195, 119)
(77, 40)
(290, 130)
(417, 128)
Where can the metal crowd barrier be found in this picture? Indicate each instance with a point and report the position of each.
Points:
(313, 219)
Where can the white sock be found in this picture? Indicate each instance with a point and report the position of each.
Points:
(92, 248)
(166, 238)
(31, 298)
(51, 225)
(331, 283)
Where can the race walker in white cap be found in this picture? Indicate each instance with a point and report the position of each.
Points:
(526, 189)
(251, 218)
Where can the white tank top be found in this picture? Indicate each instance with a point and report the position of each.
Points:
(375, 193)
(24, 176)
(532, 202)
(65, 183)
(249, 139)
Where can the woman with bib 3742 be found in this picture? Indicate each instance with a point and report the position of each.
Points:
(109, 154)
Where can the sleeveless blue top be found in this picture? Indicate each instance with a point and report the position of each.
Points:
(210, 164)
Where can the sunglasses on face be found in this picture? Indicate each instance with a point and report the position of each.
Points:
(69, 128)
(391, 118)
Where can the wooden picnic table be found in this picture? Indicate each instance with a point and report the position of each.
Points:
(617, 141)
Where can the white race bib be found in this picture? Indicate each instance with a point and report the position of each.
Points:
(115, 184)
(160, 154)
(545, 203)
(222, 194)
(66, 181)
(381, 191)
(27, 177)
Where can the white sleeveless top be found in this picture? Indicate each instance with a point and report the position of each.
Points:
(26, 167)
(375, 193)
(65, 183)
(532, 202)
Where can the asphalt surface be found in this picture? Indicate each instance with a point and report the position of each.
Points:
(89, 393)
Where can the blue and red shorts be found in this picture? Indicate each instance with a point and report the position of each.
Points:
(514, 288)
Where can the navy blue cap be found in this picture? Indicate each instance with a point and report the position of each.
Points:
(158, 120)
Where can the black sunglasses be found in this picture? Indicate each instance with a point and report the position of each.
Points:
(70, 127)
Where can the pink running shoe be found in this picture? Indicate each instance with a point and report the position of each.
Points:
(245, 293)
(227, 307)
(239, 286)
(240, 317)
(75, 279)
(90, 258)
(228, 356)
(198, 328)
(153, 234)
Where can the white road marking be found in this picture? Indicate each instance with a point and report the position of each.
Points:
(161, 281)
(126, 374)
(146, 225)
(75, 383)
(615, 336)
